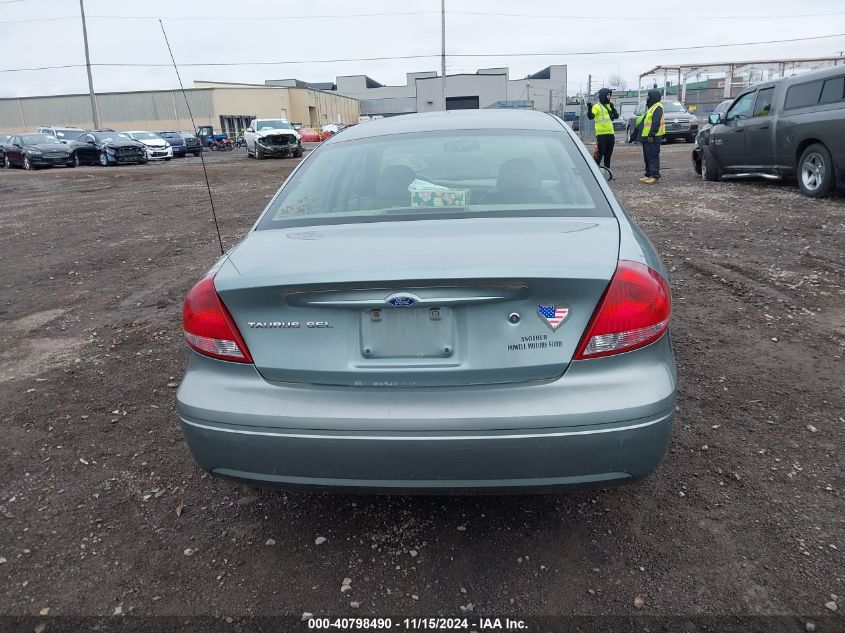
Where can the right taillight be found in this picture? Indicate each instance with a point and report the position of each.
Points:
(633, 312)
(208, 326)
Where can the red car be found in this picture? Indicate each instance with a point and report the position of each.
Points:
(310, 135)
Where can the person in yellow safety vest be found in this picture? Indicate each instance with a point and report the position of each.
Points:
(603, 113)
(651, 128)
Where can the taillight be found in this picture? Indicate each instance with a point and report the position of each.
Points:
(208, 326)
(633, 312)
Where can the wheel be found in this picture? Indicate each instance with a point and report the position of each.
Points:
(27, 165)
(816, 177)
(259, 154)
(76, 161)
(297, 152)
(3, 163)
(6, 163)
(710, 169)
(629, 134)
(143, 161)
(104, 159)
(168, 158)
(696, 163)
(70, 163)
(196, 154)
(691, 139)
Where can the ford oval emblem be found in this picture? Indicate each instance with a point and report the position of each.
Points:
(402, 301)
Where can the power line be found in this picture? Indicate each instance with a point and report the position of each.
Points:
(263, 18)
(605, 18)
(425, 56)
(649, 50)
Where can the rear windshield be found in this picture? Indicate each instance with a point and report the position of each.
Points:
(435, 175)
(147, 136)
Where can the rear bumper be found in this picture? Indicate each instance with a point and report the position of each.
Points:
(537, 460)
(606, 421)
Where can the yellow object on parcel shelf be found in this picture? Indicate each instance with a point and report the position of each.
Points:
(427, 194)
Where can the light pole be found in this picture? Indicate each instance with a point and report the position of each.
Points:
(442, 51)
(94, 110)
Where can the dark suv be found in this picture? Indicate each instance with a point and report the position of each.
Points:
(784, 128)
(680, 124)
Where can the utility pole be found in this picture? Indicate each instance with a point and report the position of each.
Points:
(94, 110)
(442, 51)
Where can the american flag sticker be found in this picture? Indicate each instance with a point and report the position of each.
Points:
(553, 315)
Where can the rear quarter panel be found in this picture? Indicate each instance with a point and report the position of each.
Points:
(795, 129)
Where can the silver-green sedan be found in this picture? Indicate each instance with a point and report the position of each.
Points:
(444, 302)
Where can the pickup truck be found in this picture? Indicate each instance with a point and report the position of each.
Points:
(789, 128)
(272, 137)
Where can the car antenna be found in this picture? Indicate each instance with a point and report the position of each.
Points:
(193, 123)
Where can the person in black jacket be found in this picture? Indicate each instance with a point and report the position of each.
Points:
(603, 113)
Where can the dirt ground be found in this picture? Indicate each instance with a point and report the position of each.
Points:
(103, 511)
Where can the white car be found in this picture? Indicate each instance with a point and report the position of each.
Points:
(272, 137)
(157, 147)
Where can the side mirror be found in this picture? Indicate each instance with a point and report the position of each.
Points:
(714, 118)
(608, 175)
(249, 129)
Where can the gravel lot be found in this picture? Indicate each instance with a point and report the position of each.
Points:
(103, 511)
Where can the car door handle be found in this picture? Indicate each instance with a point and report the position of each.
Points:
(763, 127)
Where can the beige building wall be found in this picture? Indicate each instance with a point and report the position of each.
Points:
(166, 109)
(297, 105)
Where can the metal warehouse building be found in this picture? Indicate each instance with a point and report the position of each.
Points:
(544, 90)
(226, 107)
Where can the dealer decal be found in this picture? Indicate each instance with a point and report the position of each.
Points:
(534, 342)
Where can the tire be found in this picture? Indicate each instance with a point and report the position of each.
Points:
(70, 163)
(168, 158)
(3, 163)
(259, 155)
(297, 153)
(629, 135)
(27, 165)
(196, 154)
(696, 164)
(104, 159)
(710, 170)
(816, 177)
(6, 162)
(76, 161)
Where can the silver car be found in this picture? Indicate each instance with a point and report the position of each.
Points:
(442, 302)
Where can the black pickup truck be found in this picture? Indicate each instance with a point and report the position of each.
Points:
(792, 127)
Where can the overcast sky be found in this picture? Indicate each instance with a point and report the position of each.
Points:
(33, 34)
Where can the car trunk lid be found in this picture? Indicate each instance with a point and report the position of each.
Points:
(431, 303)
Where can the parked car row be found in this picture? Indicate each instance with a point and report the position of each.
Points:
(71, 147)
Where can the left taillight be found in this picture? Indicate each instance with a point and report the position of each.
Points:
(208, 326)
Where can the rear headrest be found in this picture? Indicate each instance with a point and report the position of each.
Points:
(393, 182)
(518, 174)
